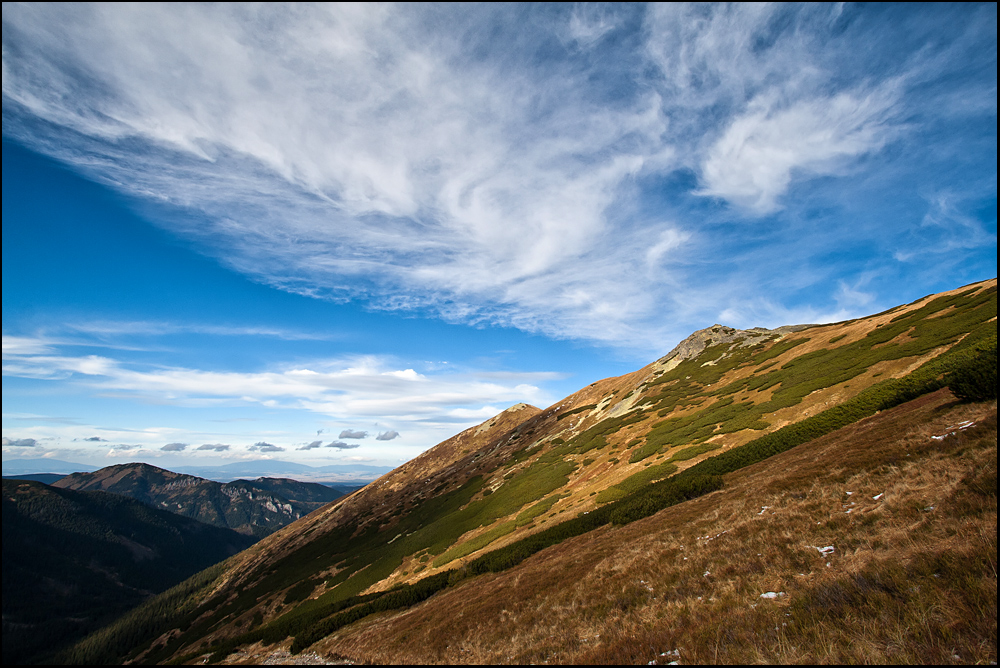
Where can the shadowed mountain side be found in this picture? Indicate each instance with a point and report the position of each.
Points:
(72, 561)
(252, 507)
(47, 478)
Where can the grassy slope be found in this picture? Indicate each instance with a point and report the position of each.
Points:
(610, 440)
(912, 577)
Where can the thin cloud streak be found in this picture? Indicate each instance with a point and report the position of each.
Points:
(345, 389)
(159, 328)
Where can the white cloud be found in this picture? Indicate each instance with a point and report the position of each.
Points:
(753, 163)
(23, 345)
(346, 389)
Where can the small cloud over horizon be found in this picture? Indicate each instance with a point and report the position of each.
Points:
(264, 446)
(174, 447)
(387, 435)
(343, 446)
(19, 442)
(311, 446)
(353, 433)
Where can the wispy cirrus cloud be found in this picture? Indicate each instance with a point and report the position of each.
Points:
(754, 161)
(116, 328)
(509, 170)
(946, 229)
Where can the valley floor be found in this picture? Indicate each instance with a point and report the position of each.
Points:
(873, 544)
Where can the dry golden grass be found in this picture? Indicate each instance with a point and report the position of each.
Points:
(911, 578)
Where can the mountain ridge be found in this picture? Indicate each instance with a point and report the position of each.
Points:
(256, 508)
(612, 453)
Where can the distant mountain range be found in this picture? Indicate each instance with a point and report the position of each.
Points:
(349, 474)
(73, 561)
(47, 478)
(251, 507)
(14, 467)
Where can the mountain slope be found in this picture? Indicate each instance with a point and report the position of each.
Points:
(255, 508)
(911, 521)
(72, 561)
(530, 480)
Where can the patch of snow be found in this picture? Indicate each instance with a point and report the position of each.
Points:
(878, 496)
(772, 594)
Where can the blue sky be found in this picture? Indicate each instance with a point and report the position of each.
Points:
(341, 234)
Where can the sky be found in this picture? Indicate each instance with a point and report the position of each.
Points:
(341, 234)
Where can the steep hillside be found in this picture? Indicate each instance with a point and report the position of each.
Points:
(255, 508)
(73, 561)
(873, 544)
(491, 499)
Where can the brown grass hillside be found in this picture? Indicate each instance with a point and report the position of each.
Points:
(553, 510)
(911, 577)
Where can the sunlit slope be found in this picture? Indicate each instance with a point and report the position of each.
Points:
(492, 496)
(873, 544)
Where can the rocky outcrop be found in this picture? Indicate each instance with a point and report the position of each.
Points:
(717, 334)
